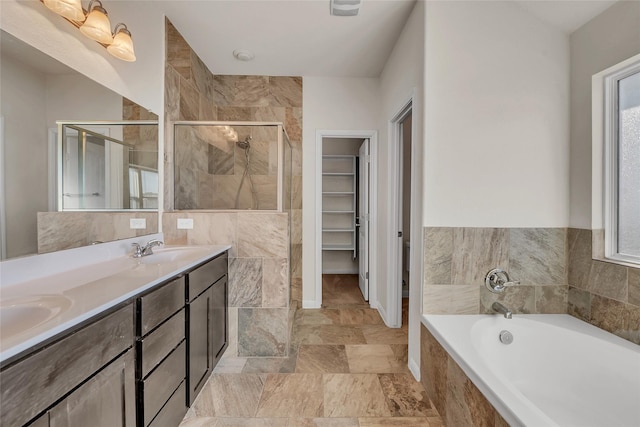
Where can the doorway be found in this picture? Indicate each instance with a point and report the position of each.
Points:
(401, 271)
(345, 215)
(346, 212)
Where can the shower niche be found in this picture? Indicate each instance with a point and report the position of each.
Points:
(232, 166)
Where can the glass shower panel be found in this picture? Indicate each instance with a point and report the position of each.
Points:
(226, 166)
(288, 173)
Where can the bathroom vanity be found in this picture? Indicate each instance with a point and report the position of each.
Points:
(140, 361)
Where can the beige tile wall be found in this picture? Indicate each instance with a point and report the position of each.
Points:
(604, 294)
(192, 92)
(456, 261)
(258, 274)
(66, 230)
(457, 399)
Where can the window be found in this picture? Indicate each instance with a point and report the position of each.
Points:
(143, 188)
(622, 164)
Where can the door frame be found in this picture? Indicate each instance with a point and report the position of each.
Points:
(394, 288)
(372, 135)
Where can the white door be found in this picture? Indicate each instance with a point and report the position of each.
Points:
(363, 220)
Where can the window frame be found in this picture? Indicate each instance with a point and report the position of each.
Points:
(611, 159)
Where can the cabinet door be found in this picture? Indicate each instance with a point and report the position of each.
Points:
(219, 318)
(200, 357)
(106, 400)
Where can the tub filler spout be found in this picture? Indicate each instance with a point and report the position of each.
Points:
(502, 310)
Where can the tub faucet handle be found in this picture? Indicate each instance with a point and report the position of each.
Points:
(497, 280)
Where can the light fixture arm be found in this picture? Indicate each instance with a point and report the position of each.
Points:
(121, 27)
(91, 7)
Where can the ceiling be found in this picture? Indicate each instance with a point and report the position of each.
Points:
(300, 37)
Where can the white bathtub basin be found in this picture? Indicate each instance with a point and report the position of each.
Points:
(558, 371)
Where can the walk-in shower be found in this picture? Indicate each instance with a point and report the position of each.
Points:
(231, 166)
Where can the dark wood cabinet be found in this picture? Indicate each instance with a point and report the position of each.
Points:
(138, 365)
(74, 367)
(207, 324)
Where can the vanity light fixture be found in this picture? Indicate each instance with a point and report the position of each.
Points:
(94, 23)
(70, 9)
(122, 46)
(97, 26)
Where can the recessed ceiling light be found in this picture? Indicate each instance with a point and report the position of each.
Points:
(243, 55)
(345, 7)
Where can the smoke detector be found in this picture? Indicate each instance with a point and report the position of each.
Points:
(345, 7)
(243, 55)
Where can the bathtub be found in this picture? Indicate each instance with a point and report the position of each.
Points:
(558, 370)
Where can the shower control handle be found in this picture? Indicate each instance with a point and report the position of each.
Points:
(497, 280)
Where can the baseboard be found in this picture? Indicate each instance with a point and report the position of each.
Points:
(415, 369)
(310, 304)
(339, 271)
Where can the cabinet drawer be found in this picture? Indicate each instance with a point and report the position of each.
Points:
(163, 381)
(33, 384)
(206, 275)
(160, 342)
(173, 412)
(160, 304)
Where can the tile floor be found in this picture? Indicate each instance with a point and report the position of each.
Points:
(345, 369)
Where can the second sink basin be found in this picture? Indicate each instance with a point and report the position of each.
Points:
(168, 254)
(22, 314)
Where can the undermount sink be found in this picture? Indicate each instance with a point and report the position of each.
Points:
(168, 254)
(22, 314)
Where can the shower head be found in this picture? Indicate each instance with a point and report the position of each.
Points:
(245, 144)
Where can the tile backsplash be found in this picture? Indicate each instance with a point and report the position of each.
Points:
(554, 265)
(604, 294)
(457, 259)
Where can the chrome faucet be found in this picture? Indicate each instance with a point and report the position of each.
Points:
(140, 251)
(502, 310)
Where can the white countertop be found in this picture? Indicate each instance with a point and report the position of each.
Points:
(87, 289)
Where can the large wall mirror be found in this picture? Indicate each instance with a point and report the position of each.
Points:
(77, 160)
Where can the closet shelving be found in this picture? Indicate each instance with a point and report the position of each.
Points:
(339, 203)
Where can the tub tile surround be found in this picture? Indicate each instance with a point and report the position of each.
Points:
(554, 265)
(192, 92)
(456, 398)
(456, 261)
(604, 294)
(259, 318)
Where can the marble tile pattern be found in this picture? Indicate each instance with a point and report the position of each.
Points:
(456, 399)
(604, 294)
(258, 274)
(457, 260)
(322, 384)
(192, 92)
(67, 230)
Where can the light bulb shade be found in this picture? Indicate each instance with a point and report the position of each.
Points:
(122, 46)
(70, 9)
(97, 26)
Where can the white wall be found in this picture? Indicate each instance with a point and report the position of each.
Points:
(497, 114)
(402, 78)
(25, 143)
(606, 40)
(328, 104)
(75, 97)
(140, 81)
